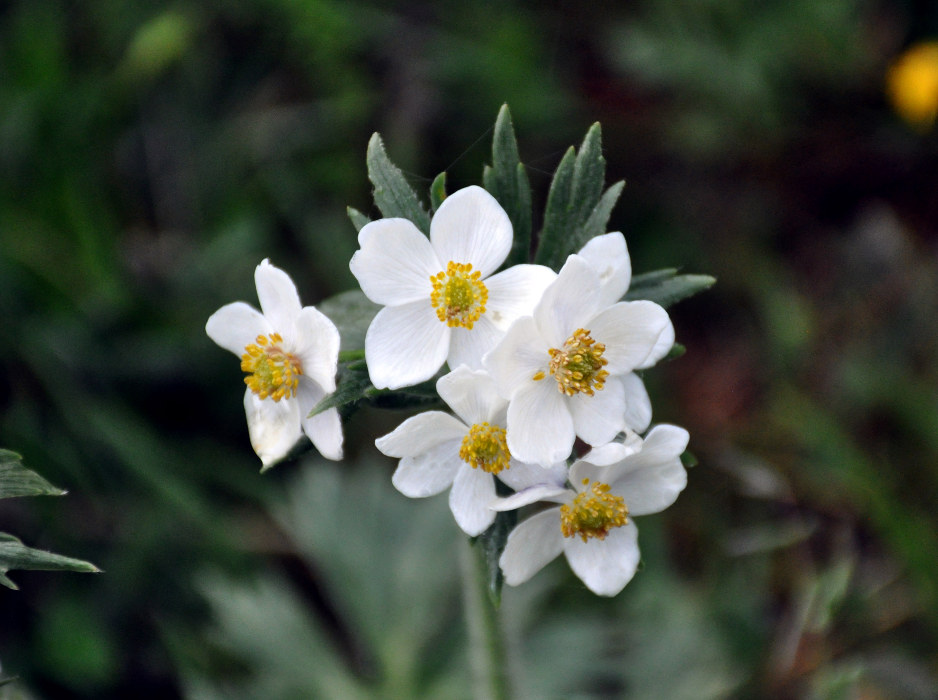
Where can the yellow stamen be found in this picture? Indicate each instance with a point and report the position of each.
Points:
(271, 372)
(458, 295)
(593, 513)
(577, 367)
(485, 447)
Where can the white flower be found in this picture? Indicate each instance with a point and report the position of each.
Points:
(566, 369)
(592, 525)
(441, 304)
(290, 354)
(465, 451)
(609, 257)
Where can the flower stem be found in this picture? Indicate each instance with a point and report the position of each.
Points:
(488, 661)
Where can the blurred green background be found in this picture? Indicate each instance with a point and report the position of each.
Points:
(153, 153)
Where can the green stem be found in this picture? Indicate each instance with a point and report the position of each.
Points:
(488, 661)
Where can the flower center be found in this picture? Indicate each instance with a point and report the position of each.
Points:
(271, 371)
(458, 295)
(485, 447)
(593, 513)
(578, 366)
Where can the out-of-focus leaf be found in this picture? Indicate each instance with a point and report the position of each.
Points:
(507, 181)
(358, 219)
(352, 313)
(666, 287)
(15, 555)
(438, 191)
(17, 480)
(393, 194)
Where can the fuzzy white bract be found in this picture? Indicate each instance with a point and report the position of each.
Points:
(592, 523)
(290, 354)
(567, 370)
(441, 301)
(466, 451)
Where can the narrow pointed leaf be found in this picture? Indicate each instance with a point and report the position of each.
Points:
(599, 218)
(15, 555)
(393, 195)
(492, 543)
(352, 385)
(507, 181)
(589, 175)
(668, 290)
(17, 480)
(557, 215)
(358, 219)
(438, 191)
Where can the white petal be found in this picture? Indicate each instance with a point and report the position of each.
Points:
(605, 566)
(520, 475)
(420, 434)
(469, 346)
(613, 452)
(609, 257)
(568, 302)
(540, 427)
(405, 345)
(517, 357)
(630, 331)
(395, 262)
(651, 479)
(662, 347)
(600, 417)
(429, 473)
(473, 490)
(531, 546)
(637, 403)
(235, 326)
(273, 426)
(317, 345)
(515, 292)
(278, 297)
(325, 432)
(532, 494)
(471, 394)
(471, 227)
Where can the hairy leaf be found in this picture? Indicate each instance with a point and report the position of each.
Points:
(507, 181)
(393, 195)
(17, 480)
(15, 555)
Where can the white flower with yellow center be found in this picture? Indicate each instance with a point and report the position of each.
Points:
(592, 521)
(466, 451)
(566, 369)
(290, 354)
(441, 301)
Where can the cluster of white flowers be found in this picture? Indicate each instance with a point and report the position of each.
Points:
(538, 360)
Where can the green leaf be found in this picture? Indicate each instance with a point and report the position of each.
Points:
(423, 394)
(577, 209)
(677, 350)
(17, 480)
(352, 385)
(352, 313)
(358, 219)
(552, 245)
(15, 555)
(492, 543)
(393, 195)
(5, 681)
(665, 287)
(507, 181)
(599, 218)
(437, 191)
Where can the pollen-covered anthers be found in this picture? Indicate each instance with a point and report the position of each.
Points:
(458, 295)
(271, 371)
(578, 366)
(593, 513)
(485, 447)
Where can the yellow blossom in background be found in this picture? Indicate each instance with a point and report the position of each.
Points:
(912, 84)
